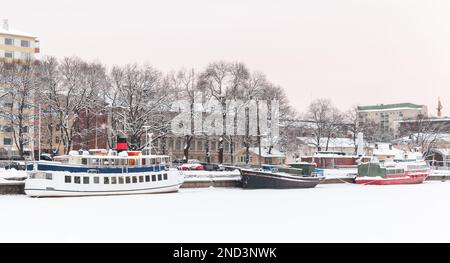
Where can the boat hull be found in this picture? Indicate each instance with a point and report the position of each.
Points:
(266, 180)
(74, 193)
(416, 178)
(58, 184)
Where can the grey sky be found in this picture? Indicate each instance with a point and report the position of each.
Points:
(353, 52)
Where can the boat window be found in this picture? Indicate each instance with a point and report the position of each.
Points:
(106, 180)
(141, 179)
(85, 180)
(76, 179)
(134, 179)
(147, 178)
(96, 180)
(67, 179)
(153, 177)
(113, 180)
(48, 176)
(84, 161)
(159, 177)
(127, 180)
(165, 176)
(158, 160)
(144, 161)
(120, 180)
(153, 161)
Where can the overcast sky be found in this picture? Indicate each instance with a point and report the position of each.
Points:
(351, 51)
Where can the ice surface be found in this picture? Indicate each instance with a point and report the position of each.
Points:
(327, 213)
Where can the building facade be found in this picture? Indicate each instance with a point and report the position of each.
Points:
(15, 47)
(386, 116)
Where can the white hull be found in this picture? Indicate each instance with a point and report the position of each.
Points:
(58, 184)
(61, 193)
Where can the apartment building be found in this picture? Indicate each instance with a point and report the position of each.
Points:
(386, 116)
(15, 47)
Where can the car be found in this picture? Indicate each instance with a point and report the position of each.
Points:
(191, 164)
(46, 157)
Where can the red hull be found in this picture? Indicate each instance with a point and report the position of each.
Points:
(407, 178)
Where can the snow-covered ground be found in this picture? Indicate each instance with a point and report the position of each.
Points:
(440, 172)
(12, 173)
(340, 173)
(191, 176)
(327, 213)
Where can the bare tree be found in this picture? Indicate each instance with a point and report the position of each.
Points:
(223, 81)
(421, 134)
(73, 88)
(141, 97)
(185, 84)
(19, 82)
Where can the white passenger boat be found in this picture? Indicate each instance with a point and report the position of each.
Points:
(101, 172)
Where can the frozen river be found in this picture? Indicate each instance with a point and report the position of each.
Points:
(328, 213)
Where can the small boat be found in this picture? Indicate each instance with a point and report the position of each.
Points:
(388, 173)
(281, 177)
(101, 172)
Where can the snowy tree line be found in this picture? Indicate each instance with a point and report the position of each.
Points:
(138, 99)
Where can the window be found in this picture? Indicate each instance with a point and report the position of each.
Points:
(96, 180)
(7, 141)
(127, 180)
(85, 180)
(147, 178)
(165, 176)
(9, 54)
(24, 43)
(67, 179)
(48, 176)
(9, 41)
(84, 161)
(120, 180)
(134, 179)
(159, 177)
(141, 179)
(106, 180)
(153, 177)
(77, 179)
(25, 129)
(113, 180)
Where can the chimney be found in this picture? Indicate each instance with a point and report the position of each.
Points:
(5, 24)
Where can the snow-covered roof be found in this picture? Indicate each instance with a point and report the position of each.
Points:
(385, 107)
(265, 152)
(442, 151)
(15, 32)
(392, 152)
(333, 143)
(440, 138)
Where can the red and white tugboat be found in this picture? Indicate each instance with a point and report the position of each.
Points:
(387, 173)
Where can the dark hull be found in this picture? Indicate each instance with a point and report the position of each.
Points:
(257, 180)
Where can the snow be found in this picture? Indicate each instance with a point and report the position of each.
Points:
(327, 213)
(15, 32)
(265, 152)
(12, 173)
(332, 143)
(201, 175)
(340, 173)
